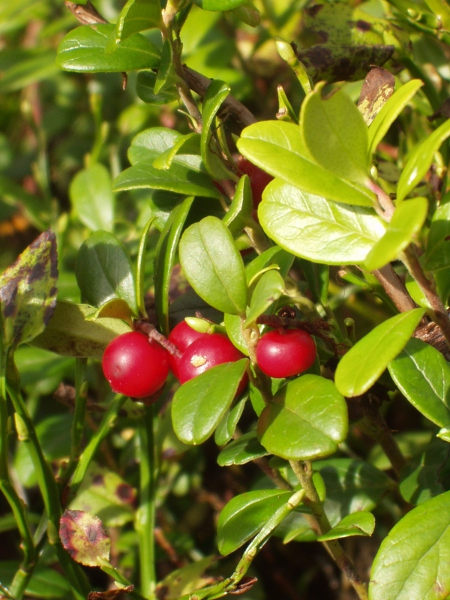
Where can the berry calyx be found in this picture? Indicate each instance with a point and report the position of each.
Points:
(285, 353)
(208, 351)
(134, 365)
(259, 179)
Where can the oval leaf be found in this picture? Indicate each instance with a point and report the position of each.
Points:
(199, 405)
(245, 515)
(335, 133)
(85, 50)
(277, 148)
(406, 222)
(420, 160)
(306, 419)
(104, 271)
(313, 228)
(92, 197)
(422, 375)
(269, 288)
(413, 562)
(243, 450)
(215, 94)
(213, 265)
(28, 291)
(364, 363)
(135, 16)
(359, 523)
(84, 538)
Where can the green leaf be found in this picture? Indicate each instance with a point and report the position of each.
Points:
(183, 177)
(44, 583)
(106, 495)
(245, 515)
(84, 538)
(269, 288)
(241, 451)
(92, 197)
(149, 144)
(306, 419)
(70, 333)
(199, 405)
(219, 5)
(313, 228)
(104, 271)
(358, 523)
(227, 426)
(215, 94)
(233, 326)
(413, 562)
(185, 580)
(437, 255)
(272, 256)
(165, 67)
(85, 50)
(145, 88)
(190, 141)
(277, 147)
(390, 111)
(28, 291)
(420, 159)
(428, 476)
(335, 134)
(364, 363)
(135, 16)
(241, 208)
(422, 375)
(213, 265)
(405, 224)
(165, 259)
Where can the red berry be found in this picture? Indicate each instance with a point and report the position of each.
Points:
(134, 365)
(285, 353)
(206, 352)
(259, 179)
(181, 336)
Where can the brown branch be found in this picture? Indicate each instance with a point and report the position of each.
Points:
(394, 288)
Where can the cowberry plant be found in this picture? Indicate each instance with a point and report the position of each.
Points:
(128, 206)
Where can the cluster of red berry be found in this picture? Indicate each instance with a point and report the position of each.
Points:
(138, 366)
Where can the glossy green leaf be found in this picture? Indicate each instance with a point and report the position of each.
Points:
(406, 223)
(85, 50)
(245, 515)
(364, 363)
(70, 333)
(420, 160)
(92, 197)
(84, 538)
(106, 495)
(199, 405)
(241, 207)
(227, 426)
(28, 291)
(423, 376)
(165, 259)
(306, 419)
(242, 450)
(269, 288)
(215, 94)
(219, 5)
(190, 141)
(149, 144)
(413, 562)
(183, 177)
(213, 265)
(316, 229)
(277, 147)
(272, 256)
(335, 134)
(104, 271)
(437, 255)
(428, 476)
(358, 523)
(135, 16)
(145, 88)
(390, 111)
(165, 67)
(233, 326)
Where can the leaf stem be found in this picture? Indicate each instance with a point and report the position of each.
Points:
(145, 523)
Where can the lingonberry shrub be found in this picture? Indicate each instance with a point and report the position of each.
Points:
(285, 353)
(134, 365)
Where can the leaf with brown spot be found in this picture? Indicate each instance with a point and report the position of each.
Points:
(84, 538)
(377, 88)
(110, 594)
(28, 291)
